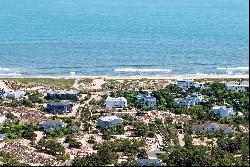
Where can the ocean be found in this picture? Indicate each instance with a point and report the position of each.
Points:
(123, 37)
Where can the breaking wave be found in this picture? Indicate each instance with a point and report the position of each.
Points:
(9, 72)
(141, 70)
(235, 70)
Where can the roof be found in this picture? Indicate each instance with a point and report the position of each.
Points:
(116, 99)
(185, 80)
(63, 92)
(222, 108)
(52, 122)
(201, 126)
(109, 118)
(148, 95)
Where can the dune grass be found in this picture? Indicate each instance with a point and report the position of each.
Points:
(47, 82)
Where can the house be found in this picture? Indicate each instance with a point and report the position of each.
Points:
(2, 118)
(2, 137)
(109, 121)
(186, 84)
(148, 99)
(119, 102)
(62, 95)
(11, 94)
(211, 127)
(149, 162)
(2, 94)
(190, 100)
(59, 107)
(51, 124)
(242, 86)
(223, 111)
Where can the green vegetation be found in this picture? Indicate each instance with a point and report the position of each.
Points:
(70, 129)
(8, 160)
(110, 84)
(13, 130)
(73, 143)
(53, 148)
(86, 81)
(113, 130)
(107, 152)
(48, 82)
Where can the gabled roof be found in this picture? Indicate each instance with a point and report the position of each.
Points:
(222, 108)
(58, 104)
(62, 92)
(201, 126)
(52, 122)
(116, 99)
(109, 118)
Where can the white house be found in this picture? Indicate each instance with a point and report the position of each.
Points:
(148, 99)
(211, 127)
(2, 136)
(52, 124)
(185, 84)
(109, 121)
(149, 162)
(190, 100)
(2, 118)
(11, 94)
(223, 111)
(243, 86)
(119, 102)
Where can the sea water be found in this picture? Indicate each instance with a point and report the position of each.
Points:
(123, 37)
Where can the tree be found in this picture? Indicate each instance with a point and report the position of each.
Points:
(29, 133)
(188, 140)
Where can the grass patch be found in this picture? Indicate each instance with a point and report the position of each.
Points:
(86, 81)
(51, 82)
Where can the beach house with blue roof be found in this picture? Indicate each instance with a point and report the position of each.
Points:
(59, 107)
(148, 99)
(62, 95)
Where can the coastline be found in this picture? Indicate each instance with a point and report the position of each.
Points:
(174, 77)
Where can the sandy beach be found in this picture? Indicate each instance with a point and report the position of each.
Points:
(174, 77)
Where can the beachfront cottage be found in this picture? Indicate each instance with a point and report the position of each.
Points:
(148, 99)
(59, 107)
(211, 127)
(190, 100)
(119, 102)
(51, 124)
(2, 118)
(11, 94)
(223, 111)
(109, 121)
(62, 95)
(186, 84)
(242, 86)
(149, 162)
